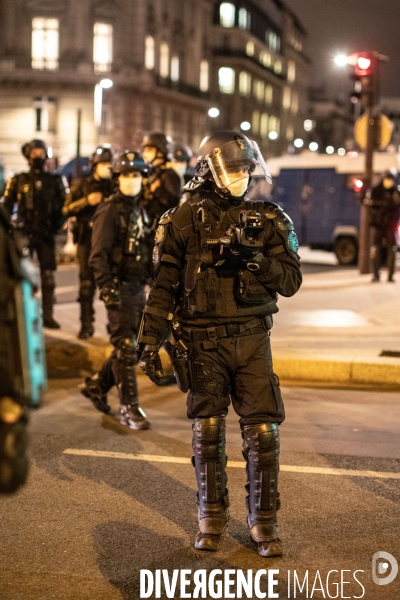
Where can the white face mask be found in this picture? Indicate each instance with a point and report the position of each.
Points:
(179, 168)
(238, 188)
(103, 170)
(130, 186)
(149, 154)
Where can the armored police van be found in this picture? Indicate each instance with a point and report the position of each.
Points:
(321, 193)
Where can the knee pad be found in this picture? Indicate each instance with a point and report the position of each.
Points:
(262, 440)
(126, 352)
(209, 438)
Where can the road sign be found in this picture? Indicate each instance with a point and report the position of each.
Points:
(383, 131)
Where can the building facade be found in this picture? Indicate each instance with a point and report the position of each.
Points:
(168, 63)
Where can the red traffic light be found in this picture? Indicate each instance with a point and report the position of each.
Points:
(362, 62)
(358, 185)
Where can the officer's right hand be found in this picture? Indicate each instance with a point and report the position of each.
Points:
(150, 363)
(110, 295)
(95, 198)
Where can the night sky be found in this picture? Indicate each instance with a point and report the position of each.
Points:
(344, 26)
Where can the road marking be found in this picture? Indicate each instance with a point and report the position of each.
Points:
(180, 460)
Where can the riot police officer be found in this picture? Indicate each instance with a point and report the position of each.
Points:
(384, 216)
(39, 197)
(121, 260)
(22, 361)
(219, 265)
(85, 195)
(182, 154)
(162, 188)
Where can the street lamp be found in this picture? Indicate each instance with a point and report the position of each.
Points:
(329, 149)
(213, 112)
(298, 143)
(341, 60)
(104, 84)
(313, 146)
(245, 126)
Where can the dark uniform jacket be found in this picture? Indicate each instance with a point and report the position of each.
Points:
(39, 198)
(166, 195)
(384, 207)
(120, 241)
(203, 287)
(76, 205)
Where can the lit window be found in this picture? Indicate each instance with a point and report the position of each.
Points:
(45, 114)
(295, 103)
(274, 124)
(149, 52)
(255, 123)
(164, 60)
(174, 68)
(289, 133)
(273, 40)
(227, 14)
(102, 47)
(244, 83)
(269, 94)
(259, 90)
(278, 67)
(265, 59)
(291, 71)
(244, 19)
(226, 80)
(286, 97)
(204, 76)
(264, 125)
(44, 43)
(250, 48)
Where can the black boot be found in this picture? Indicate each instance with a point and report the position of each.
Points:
(86, 293)
(391, 261)
(14, 461)
(209, 461)
(261, 452)
(131, 414)
(95, 390)
(48, 286)
(375, 263)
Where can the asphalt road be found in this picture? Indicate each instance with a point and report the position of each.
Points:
(88, 520)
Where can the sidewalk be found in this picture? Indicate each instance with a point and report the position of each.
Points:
(332, 332)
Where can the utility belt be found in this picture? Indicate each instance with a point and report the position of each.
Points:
(213, 334)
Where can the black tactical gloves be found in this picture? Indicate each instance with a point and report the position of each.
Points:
(150, 363)
(259, 264)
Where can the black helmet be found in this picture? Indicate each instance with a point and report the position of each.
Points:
(225, 153)
(181, 152)
(129, 162)
(26, 148)
(101, 154)
(160, 141)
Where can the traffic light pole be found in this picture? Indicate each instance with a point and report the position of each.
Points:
(364, 250)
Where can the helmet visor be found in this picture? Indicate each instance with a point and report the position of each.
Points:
(237, 160)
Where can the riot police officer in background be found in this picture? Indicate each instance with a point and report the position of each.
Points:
(384, 216)
(219, 265)
(162, 188)
(85, 195)
(182, 154)
(121, 259)
(39, 197)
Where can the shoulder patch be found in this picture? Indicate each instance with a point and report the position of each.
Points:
(284, 222)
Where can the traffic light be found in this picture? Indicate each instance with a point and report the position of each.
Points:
(364, 76)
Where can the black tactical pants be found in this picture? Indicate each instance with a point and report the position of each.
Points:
(87, 285)
(45, 250)
(381, 236)
(238, 370)
(124, 325)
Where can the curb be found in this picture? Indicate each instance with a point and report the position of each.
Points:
(69, 357)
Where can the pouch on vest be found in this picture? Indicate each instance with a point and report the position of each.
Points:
(248, 290)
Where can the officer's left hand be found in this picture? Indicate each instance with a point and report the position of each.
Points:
(258, 264)
(150, 363)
